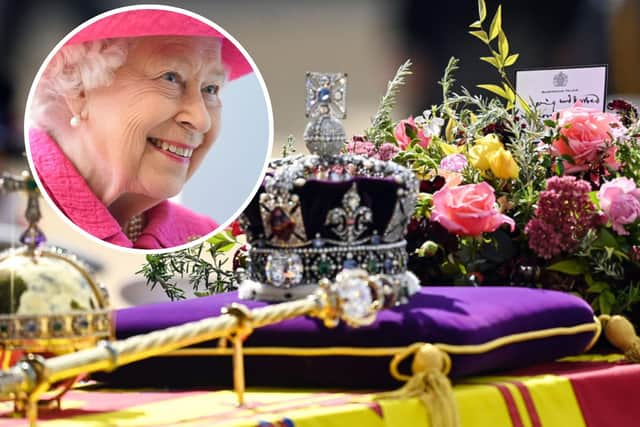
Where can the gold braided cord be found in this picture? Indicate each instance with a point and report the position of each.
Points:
(517, 338)
(291, 351)
(403, 351)
(395, 362)
(596, 336)
(113, 354)
(488, 346)
(398, 353)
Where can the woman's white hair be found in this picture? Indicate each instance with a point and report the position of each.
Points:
(73, 70)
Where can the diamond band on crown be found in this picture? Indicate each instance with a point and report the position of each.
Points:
(303, 266)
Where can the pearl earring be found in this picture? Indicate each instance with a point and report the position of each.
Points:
(74, 122)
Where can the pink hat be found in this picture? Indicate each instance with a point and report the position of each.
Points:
(161, 22)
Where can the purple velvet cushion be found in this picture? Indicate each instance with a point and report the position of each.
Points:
(452, 315)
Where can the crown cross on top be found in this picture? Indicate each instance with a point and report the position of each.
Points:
(325, 105)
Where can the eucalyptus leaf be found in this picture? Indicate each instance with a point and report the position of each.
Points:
(511, 59)
(605, 239)
(568, 158)
(495, 89)
(572, 267)
(511, 96)
(491, 60)
(482, 35)
(606, 300)
(559, 167)
(482, 10)
(496, 24)
(598, 287)
(503, 46)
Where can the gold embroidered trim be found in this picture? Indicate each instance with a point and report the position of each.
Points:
(393, 351)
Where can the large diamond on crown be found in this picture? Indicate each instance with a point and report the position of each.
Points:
(284, 269)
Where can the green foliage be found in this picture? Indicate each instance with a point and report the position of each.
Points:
(381, 129)
(289, 147)
(447, 82)
(501, 57)
(203, 265)
(629, 156)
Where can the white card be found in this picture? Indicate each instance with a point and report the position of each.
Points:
(553, 90)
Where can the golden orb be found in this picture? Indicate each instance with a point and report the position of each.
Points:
(49, 303)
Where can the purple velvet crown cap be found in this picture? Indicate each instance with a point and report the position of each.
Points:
(452, 315)
(317, 197)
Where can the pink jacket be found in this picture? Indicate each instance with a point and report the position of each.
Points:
(168, 224)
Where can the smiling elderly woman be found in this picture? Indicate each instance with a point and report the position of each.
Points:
(123, 115)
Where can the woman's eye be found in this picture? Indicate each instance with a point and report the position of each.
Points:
(211, 89)
(171, 77)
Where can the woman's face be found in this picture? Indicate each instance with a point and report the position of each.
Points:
(155, 123)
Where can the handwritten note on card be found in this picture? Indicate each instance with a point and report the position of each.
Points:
(553, 90)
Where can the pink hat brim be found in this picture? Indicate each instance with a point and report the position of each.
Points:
(158, 22)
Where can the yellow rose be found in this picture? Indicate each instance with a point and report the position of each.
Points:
(502, 164)
(479, 154)
(491, 142)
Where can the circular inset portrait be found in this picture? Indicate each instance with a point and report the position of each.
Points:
(149, 127)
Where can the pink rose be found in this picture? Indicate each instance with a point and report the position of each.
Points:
(468, 210)
(620, 202)
(588, 134)
(406, 129)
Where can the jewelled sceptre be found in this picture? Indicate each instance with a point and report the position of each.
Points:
(332, 302)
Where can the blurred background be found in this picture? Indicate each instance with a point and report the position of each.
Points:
(368, 39)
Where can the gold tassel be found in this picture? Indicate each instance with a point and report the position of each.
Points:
(621, 334)
(429, 382)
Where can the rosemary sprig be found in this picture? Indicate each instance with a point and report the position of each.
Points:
(381, 124)
(203, 265)
(447, 82)
(289, 147)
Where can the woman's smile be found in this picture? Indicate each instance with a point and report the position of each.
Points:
(174, 150)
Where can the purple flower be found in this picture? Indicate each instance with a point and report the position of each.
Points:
(453, 163)
(387, 151)
(562, 218)
(361, 147)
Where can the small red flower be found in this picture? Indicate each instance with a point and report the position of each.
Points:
(236, 228)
